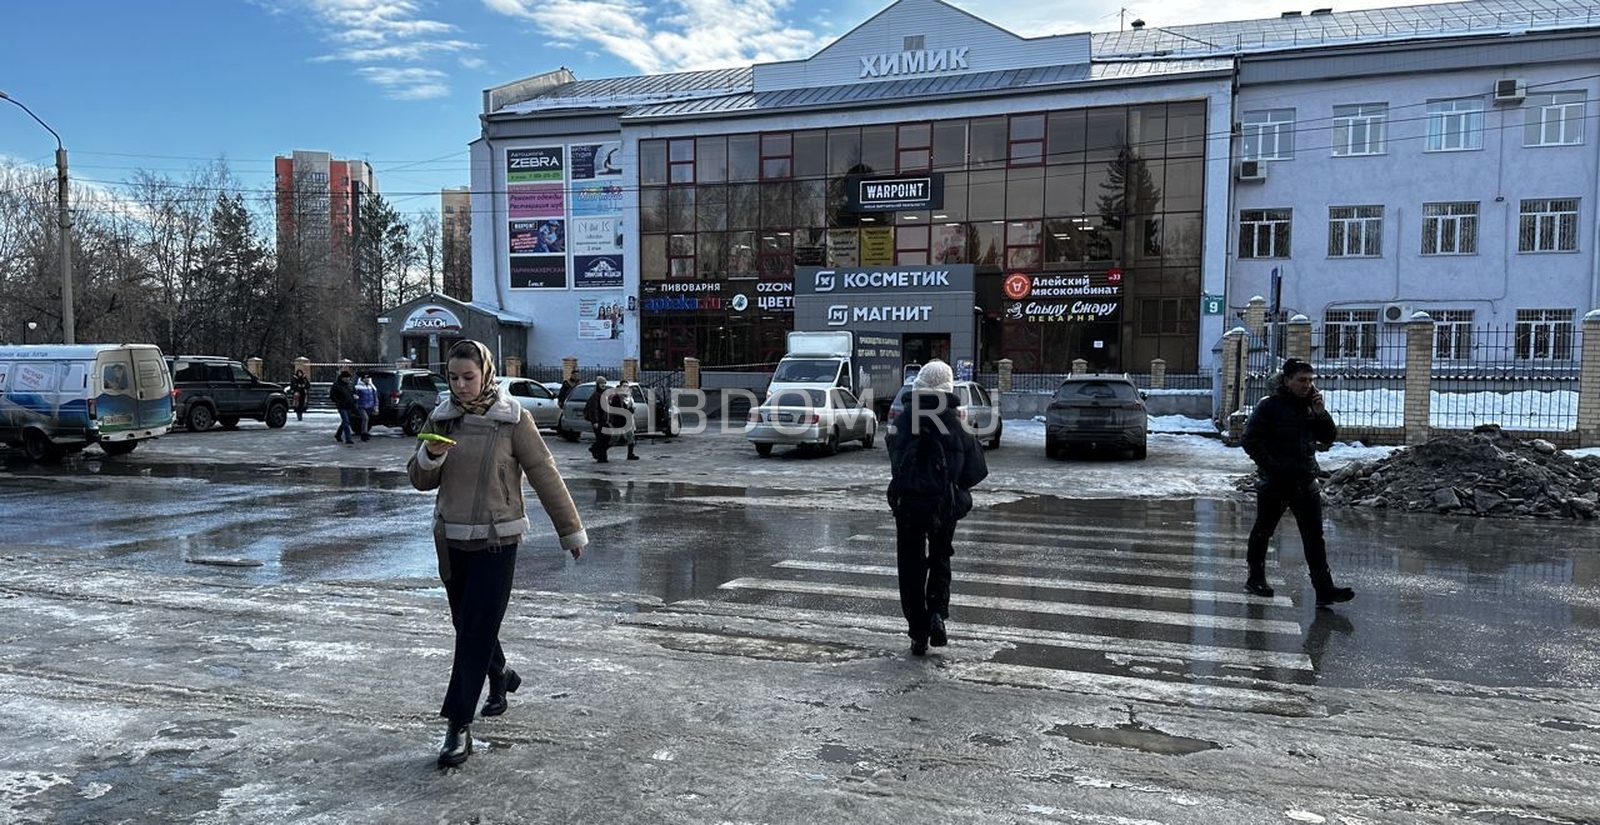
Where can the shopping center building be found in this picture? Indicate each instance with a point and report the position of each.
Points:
(1086, 196)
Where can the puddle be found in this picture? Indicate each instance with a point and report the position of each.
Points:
(1134, 736)
(841, 755)
(1570, 726)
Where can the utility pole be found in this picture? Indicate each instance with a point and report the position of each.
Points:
(64, 222)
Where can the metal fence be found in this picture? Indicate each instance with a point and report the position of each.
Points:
(1051, 381)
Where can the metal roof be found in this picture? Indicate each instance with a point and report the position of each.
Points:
(1325, 27)
(618, 92)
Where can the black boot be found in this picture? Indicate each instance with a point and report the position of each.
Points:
(936, 633)
(457, 746)
(1256, 583)
(508, 682)
(1327, 593)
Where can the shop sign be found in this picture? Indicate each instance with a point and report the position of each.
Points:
(1068, 297)
(877, 246)
(432, 318)
(915, 61)
(894, 194)
(682, 296)
(537, 165)
(538, 272)
(902, 279)
(841, 314)
(775, 296)
(590, 271)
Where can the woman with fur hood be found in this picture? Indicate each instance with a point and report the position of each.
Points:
(479, 518)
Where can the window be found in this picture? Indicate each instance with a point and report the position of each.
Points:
(1350, 333)
(1548, 226)
(1026, 145)
(1264, 233)
(1452, 334)
(1268, 135)
(777, 156)
(1455, 125)
(1544, 334)
(680, 160)
(1553, 119)
(915, 147)
(1450, 228)
(1355, 231)
(1359, 129)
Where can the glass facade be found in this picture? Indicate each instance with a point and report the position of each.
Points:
(724, 220)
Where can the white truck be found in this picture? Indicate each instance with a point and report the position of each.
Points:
(868, 364)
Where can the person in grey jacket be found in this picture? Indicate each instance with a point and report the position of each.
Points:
(1282, 436)
(479, 519)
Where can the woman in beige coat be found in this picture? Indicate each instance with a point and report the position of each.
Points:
(478, 520)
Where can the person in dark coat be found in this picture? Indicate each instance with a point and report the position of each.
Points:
(566, 390)
(299, 394)
(924, 536)
(599, 417)
(1282, 436)
(343, 396)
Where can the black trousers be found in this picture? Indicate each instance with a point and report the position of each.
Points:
(602, 442)
(923, 558)
(479, 588)
(1305, 499)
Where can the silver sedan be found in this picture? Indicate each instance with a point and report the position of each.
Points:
(811, 418)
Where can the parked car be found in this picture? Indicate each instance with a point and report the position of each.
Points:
(1097, 411)
(405, 397)
(534, 397)
(207, 390)
(810, 418)
(976, 406)
(57, 399)
(653, 413)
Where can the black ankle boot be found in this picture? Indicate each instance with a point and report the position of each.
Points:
(1327, 593)
(1259, 587)
(508, 682)
(457, 746)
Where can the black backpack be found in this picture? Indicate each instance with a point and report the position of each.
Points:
(923, 486)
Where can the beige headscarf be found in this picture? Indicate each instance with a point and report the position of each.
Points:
(489, 392)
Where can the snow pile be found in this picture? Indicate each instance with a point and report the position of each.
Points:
(1487, 473)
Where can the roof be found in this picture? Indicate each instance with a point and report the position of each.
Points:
(504, 316)
(623, 92)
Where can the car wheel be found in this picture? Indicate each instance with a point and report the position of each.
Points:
(228, 422)
(763, 450)
(1051, 449)
(415, 418)
(277, 415)
(200, 418)
(1140, 452)
(994, 443)
(866, 443)
(832, 446)
(37, 447)
(568, 435)
(118, 447)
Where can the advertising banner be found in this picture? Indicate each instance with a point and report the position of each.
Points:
(541, 164)
(1063, 298)
(593, 271)
(530, 201)
(595, 236)
(596, 198)
(600, 316)
(538, 272)
(877, 246)
(538, 236)
(596, 160)
(844, 247)
(896, 194)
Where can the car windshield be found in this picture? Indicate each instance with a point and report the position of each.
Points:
(1097, 391)
(798, 398)
(806, 371)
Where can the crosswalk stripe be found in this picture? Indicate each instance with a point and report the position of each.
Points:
(1148, 648)
(1012, 534)
(1076, 563)
(1184, 594)
(1133, 614)
(976, 549)
(1070, 527)
(1288, 702)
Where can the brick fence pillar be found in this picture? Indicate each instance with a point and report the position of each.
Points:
(1589, 382)
(1158, 373)
(1297, 338)
(1419, 377)
(514, 366)
(569, 368)
(630, 369)
(1079, 366)
(303, 364)
(1004, 366)
(691, 373)
(253, 366)
(1233, 352)
(1255, 316)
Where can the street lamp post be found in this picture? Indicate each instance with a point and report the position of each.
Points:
(64, 219)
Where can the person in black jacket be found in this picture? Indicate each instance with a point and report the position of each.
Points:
(596, 412)
(343, 396)
(925, 525)
(1282, 436)
(299, 394)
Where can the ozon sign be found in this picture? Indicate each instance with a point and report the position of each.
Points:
(431, 318)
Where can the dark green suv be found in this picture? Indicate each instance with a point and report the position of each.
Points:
(405, 397)
(209, 390)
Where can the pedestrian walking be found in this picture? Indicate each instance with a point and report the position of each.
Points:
(299, 394)
(622, 417)
(567, 386)
(343, 396)
(479, 519)
(595, 412)
(366, 405)
(1282, 436)
(934, 464)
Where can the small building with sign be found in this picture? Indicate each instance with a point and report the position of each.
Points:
(423, 330)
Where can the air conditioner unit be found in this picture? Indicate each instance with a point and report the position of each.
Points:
(1252, 170)
(1395, 313)
(1510, 90)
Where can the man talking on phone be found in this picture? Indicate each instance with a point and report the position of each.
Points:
(1282, 436)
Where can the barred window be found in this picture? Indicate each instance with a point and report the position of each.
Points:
(1553, 119)
(1350, 334)
(1544, 334)
(1355, 231)
(1548, 226)
(1359, 129)
(1264, 233)
(1455, 125)
(1452, 334)
(1450, 228)
(1267, 134)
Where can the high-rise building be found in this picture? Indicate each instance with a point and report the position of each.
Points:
(455, 211)
(317, 201)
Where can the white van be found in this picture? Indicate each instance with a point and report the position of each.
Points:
(59, 399)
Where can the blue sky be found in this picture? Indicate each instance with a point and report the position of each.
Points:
(167, 85)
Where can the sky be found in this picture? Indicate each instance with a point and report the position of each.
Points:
(165, 86)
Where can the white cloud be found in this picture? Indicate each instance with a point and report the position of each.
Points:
(407, 84)
(676, 35)
(377, 34)
(472, 62)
